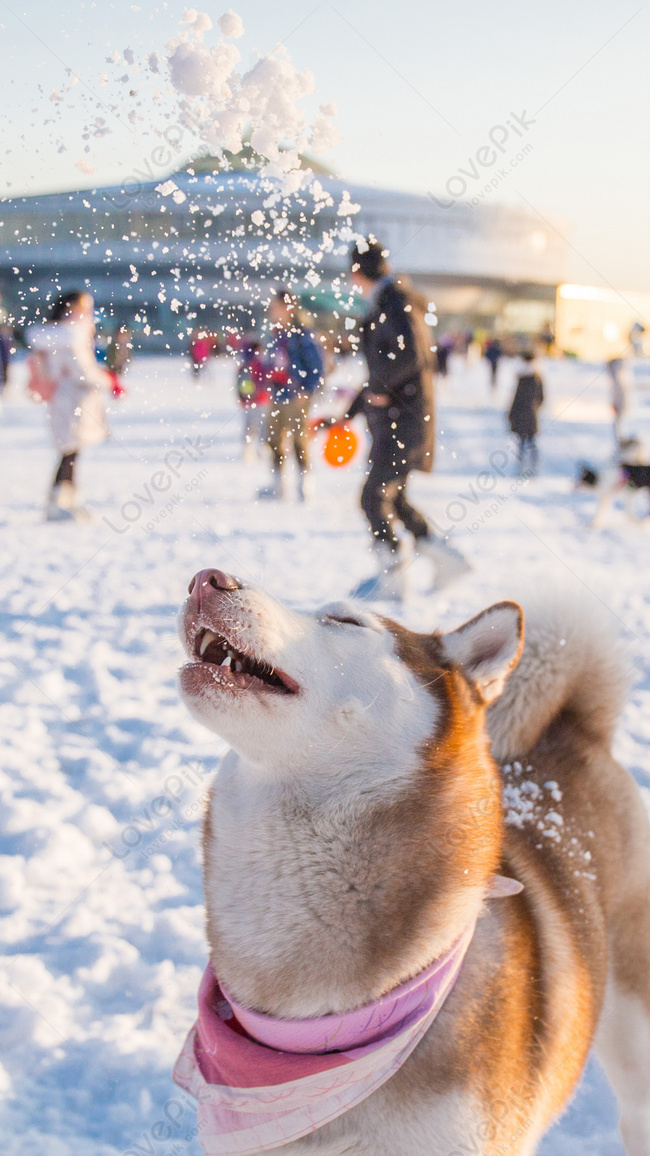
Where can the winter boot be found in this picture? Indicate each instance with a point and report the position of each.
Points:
(276, 491)
(389, 584)
(304, 486)
(449, 564)
(62, 503)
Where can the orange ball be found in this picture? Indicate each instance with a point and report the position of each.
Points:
(340, 446)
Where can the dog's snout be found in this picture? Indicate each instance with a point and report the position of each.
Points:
(207, 580)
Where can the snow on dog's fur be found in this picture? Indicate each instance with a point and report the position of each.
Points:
(355, 826)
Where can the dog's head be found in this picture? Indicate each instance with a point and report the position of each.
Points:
(290, 689)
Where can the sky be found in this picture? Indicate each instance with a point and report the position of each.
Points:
(422, 90)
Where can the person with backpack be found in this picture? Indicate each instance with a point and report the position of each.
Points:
(529, 396)
(66, 375)
(254, 393)
(294, 372)
(397, 402)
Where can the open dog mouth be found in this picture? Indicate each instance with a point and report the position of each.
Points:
(238, 669)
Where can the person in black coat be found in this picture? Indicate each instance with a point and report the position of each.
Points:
(397, 402)
(528, 398)
(493, 352)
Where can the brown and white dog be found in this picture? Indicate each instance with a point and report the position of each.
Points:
(354, 827)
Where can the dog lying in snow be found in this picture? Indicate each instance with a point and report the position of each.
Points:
(377, 987)
(628, 474)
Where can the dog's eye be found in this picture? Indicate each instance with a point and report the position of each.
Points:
(345, 620)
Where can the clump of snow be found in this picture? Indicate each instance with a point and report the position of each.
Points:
(346, 207)
(224, 104)
(324, 133)
(168, 187)
(520, 801)
(230, 25)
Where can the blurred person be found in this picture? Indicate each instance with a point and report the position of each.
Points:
(398, 405)
(445, 347)
(118, 352)
(529, 396)
(65, 347)
(201, 349)
(493, 352)
(295, 371)
(547, 338)
(618, 396)
(636, 338)
(254, 394)
(6, 348)
(5, 355)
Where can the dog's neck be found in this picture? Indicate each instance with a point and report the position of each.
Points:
(324, 891)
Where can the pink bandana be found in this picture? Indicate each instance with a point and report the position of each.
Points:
(262, 1082)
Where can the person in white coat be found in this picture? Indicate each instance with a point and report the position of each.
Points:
(66, 347)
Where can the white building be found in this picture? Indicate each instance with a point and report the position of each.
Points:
(164, 265)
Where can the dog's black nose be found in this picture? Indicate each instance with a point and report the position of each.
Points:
(207, 580)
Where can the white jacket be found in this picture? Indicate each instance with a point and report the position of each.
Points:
(76, 409)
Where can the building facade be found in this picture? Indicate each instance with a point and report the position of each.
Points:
(165, 263)
(601, 323)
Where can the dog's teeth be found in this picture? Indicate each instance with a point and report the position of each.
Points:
(238, 665)
(208, 637)
(227, 660)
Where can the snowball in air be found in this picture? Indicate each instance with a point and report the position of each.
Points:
(346, 207)
(200, 21)
(230, 24)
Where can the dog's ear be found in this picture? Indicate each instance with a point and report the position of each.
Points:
(487, 647)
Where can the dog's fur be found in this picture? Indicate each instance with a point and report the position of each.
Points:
(353, 829)
(627, 474)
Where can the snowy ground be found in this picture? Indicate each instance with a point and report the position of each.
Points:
(104, 772)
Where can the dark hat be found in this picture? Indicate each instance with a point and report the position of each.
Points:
(371, 261)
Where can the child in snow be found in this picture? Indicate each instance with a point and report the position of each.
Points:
(529, 396)
(66, 346)
(254, 393)
(295, 369)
